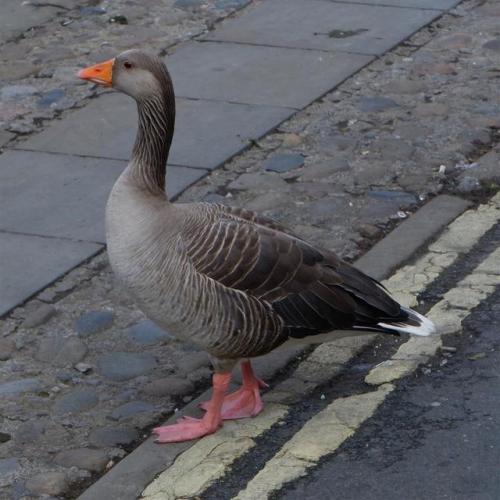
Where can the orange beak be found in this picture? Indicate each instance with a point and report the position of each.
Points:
(101, 73)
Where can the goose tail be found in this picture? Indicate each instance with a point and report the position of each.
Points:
(415, 324)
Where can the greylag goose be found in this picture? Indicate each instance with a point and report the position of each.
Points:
(235, 283)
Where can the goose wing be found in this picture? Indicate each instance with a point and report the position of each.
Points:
(310, 289)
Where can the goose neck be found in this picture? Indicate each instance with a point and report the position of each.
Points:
(153, 140)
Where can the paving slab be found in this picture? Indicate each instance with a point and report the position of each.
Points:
(180, 178)
(29, 263)
(67, 194)
(207, 133)
(416, 4)
(17, 16)
(404, 242)
(251, 74)
(324, 25)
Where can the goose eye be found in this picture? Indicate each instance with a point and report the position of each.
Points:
(127, 64)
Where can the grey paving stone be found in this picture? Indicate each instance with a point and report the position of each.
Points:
(191, 361)
(168, 386)
(7, 348)
(231, 4)
(39, 316)
(16, 92)
(29, 432)
(29, 263)
(187, 4)
(402, 244)
(8, 468)
(418, 4)
(49, 483)
(61, 351)
(16, 17)
(374, 104)
(51, 97)
(83, 458)
(93, 322)
(320, 24)
(397, 197)
(76, 401)
(146, 333)
(19, 386)
(68, 194)
(121, 366)
(206, 133)
(250, 74)
(130, 409)
(283, 162)
(468, 184)
(5, 137)
(493, 44)
(180, 178)
(113, 436)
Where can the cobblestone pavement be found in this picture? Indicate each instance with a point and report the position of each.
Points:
(82, 374)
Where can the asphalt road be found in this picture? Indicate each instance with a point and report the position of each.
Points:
(436, 437)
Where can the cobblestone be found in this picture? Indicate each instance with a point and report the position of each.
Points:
(121, 366)
(113, 436)
(83, 458)
(49, 483)
(8, 469)
(7, 347)
(130, 409)
(76, 401)
(93, 322)
(169, 386)
(39, 316)
(284, 162)
(59, 351)
(19, 386)
(146, 333)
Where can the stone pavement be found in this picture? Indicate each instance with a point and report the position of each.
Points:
(233, 86)
(83, 375)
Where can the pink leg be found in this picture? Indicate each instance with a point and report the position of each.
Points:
(188, 428)
(246, 401)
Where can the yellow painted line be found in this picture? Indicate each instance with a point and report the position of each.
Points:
(448, 315)
(327, 430)
(207, 460)
(458, 238)
(320, 435)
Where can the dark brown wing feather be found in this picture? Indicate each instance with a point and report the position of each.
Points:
(311, 289)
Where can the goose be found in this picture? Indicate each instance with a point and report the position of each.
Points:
(234, 282)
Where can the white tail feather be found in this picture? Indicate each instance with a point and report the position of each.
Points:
(425, 326)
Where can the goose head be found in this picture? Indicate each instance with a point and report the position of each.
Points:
(133, 72)
(145, 78)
